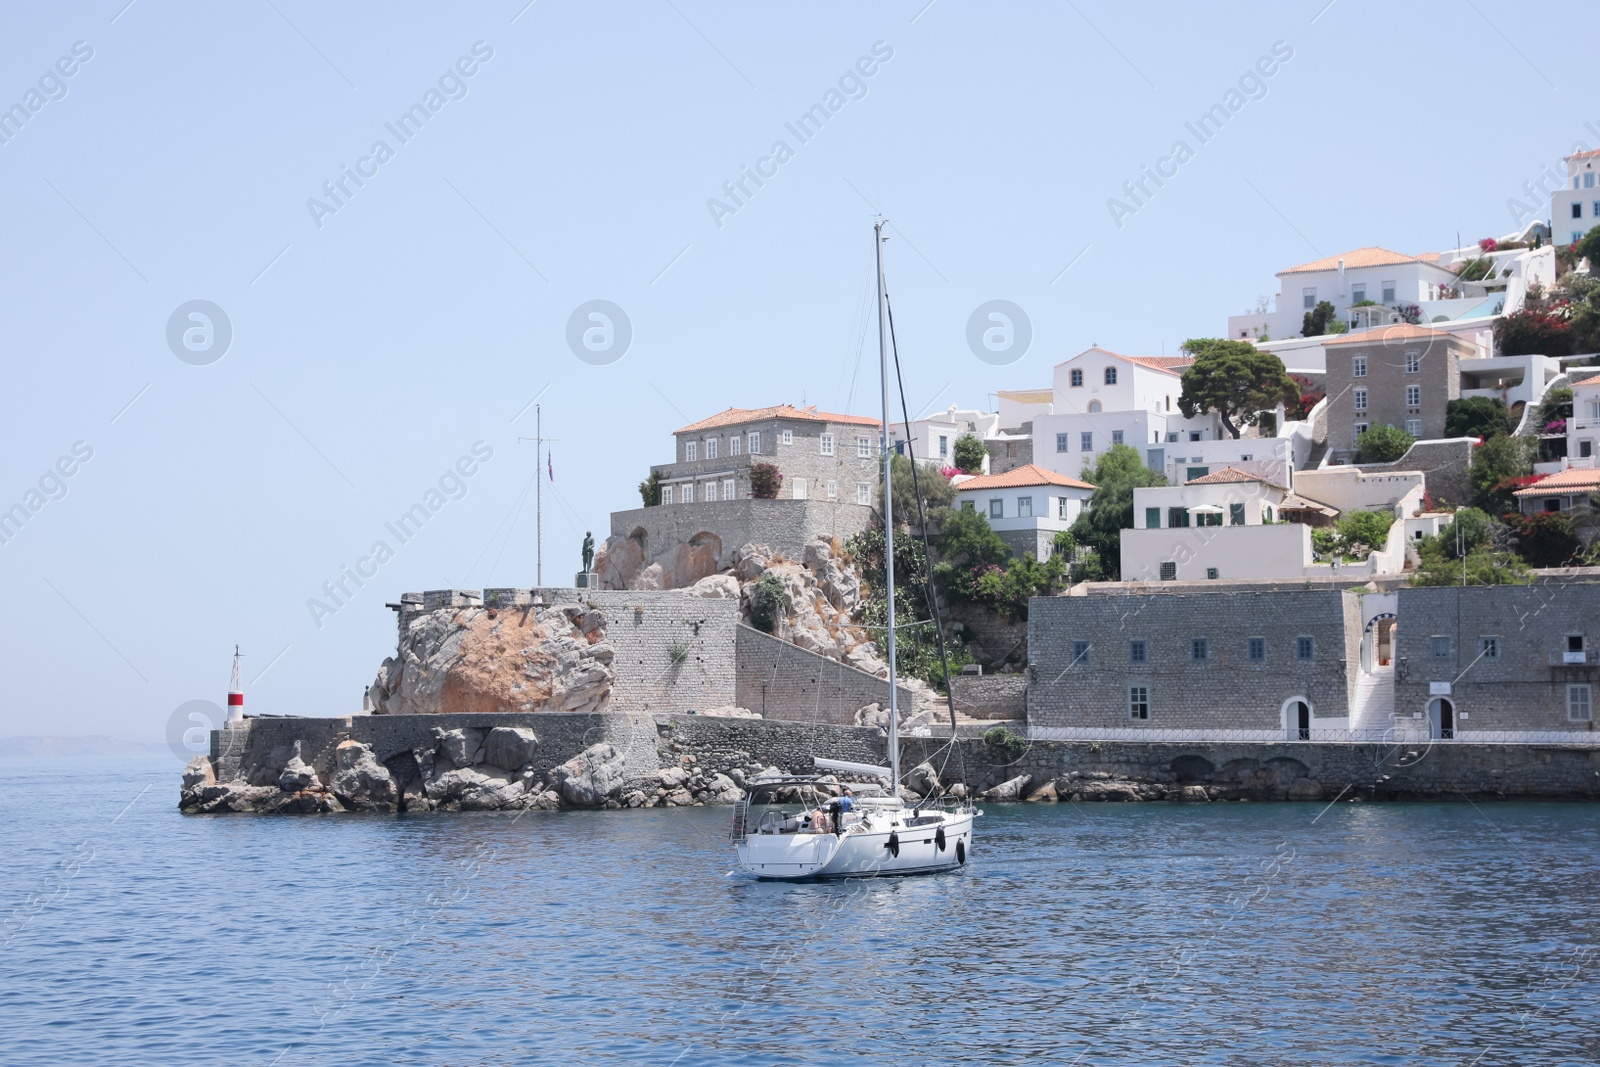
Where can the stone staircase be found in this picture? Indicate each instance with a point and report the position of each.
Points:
(1372, 705)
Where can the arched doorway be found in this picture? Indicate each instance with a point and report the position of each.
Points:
(1297, 716)
(1441, 719)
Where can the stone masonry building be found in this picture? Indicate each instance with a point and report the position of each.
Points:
(1400, 376)
(821, 456)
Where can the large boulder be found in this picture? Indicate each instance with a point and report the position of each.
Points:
(1011, 789)
(591, 778)
(924, 779)
(509, 747)
(359, 781)
(199, 774)
(716, 587)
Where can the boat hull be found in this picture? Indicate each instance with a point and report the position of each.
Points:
(862, 852)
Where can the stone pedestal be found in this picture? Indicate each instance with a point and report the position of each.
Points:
(586, 580)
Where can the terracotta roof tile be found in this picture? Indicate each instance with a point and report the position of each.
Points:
(1022, 476)
(1596, 379)
(1225, 476)
(1591, 154)
(1371, 256)
(1402, 331)
(1571, 480)
(735, 416)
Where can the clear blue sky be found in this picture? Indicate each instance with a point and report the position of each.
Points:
(431, 308)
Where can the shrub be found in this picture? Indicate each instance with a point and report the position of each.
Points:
(1383, 444)
(1475, 270)
(766, 602)
(650, 490)
(765, 480)
(678, 651)
(1410, 313)
(1546, 539)
(1003, 745)
(1537, 333)
(1475, 416)
(1314, 323)
(1495, 463)
(1311, 395)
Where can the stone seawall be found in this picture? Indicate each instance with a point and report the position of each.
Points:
(778, 680)
(420, 763)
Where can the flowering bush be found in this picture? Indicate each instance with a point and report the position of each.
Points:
(948, 471)
(1488, 244)
(1557, 426)
(1410, 313)
(765, 480)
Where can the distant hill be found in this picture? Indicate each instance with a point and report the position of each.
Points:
(87, 745)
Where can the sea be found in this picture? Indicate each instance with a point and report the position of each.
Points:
(1224, 933)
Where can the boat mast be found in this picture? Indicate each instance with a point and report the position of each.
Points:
(888, 516)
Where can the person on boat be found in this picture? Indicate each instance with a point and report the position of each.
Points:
(839, 807)
(819, 822)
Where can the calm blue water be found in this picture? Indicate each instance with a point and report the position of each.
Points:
(1398, 934)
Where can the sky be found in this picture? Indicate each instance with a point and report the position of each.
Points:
(192, 483)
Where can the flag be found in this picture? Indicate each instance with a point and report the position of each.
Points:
(550, 464)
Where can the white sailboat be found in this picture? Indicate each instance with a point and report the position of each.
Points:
(879, 835)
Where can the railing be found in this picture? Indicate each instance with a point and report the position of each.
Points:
(1572, 659)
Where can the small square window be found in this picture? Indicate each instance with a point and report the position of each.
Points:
(1139, 701)
(1061, 442)
(1304, 648)
(1063, 505)
(1490, 647)
(1308, 298)
(1024, 507)
(1413, 362)
(1359, 398)
(728, 490)
(833, 489)
(944, 445)
(1413, 396)
(1577, 211)
(688, 493)
(1256, 649)
(1080, 653)
(1199, 649)
(734, 443)
(1076, 378)
(666, 494)
(1138, 652)
(1441, 647)
(755, 442)
(1580, 703)
(863, 493)
(1116, 437)
(1111, 376)
(691, 451)
(1211, 572)
(1169, 572)
(1414, 427)
(711, 448)
(1574, 642)
(1388, 292)
(788, 437)
(997, 509)
(863, 447)
(1235, 514)
(1152, 518)
(711, 493)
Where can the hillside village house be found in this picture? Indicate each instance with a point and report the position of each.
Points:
(1235, 525)
(1572, 489)
(1575, 209)
(1027, 506)
(822, 456)
(933, 440)
(1368, 286)
(1392, 376)
(1583, 429)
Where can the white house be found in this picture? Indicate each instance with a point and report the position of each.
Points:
(1583, 429)
(1103, 398)
(1389, 278)
(1027, 506)
(1235, 525)
(1575, 209)
(1018, 407)
(1570, 490)
(933, 439)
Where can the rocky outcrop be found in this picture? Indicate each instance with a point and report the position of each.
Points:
(488, 660)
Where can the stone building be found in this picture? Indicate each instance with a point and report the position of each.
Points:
(1499, 663)
(1190, 664)
(1399, 376)
(821, 456)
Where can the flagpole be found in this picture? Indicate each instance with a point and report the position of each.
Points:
(538, 500)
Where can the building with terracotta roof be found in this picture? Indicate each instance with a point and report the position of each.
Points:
(1234, 524)
(1573, 489)
(1026, 506)
(1583, 429)
(821, 456)
(932, 440)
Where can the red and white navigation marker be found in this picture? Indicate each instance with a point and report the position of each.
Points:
(236, 691)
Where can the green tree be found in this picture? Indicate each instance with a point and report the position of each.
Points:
(1475, 416)
(1236, 380)
(650, 490)
(1315, 322)
(1547, 539)
(1484, 566)
(1117, 474)
(970, 452)
(968, 539)
(1383, 444)
(937, 493)
(1589, 247)
(1368, 529)
(767, 602)
(1495, 465)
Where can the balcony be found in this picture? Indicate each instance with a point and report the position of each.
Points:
(1572, 659)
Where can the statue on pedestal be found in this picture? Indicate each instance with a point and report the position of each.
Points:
(588, 552)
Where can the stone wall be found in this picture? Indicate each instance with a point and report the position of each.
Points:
(691, 541)
(1444, 465)
(1284, 770)
(647, 629)
(1524, 687)
(991, 696)
(782, 681)
(1009, 455)
(1224, 692)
